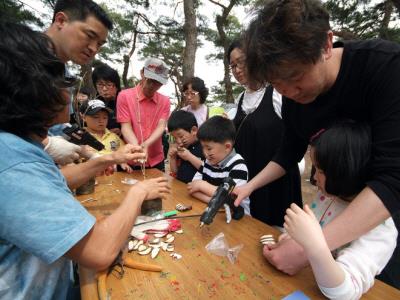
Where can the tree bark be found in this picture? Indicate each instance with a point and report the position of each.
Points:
(190, 29)
(127, 57)
(388, 9)
(221, 21)
(397, 4)
(86, 74)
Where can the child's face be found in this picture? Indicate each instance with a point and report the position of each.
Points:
(216, 152)
(185, 138)
(319, 175)
(98, 121)
(192, 97)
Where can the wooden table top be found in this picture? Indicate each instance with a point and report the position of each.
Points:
(200, 275)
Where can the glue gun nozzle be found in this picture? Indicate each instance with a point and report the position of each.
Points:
(201, 224)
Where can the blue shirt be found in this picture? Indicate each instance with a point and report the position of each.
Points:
(40, 221)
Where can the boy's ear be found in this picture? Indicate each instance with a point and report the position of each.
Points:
(194, 130)
(228, 145)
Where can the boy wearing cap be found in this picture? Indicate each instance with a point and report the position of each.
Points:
(143, 112)
(95, 115)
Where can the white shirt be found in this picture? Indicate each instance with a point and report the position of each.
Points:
(362, 259)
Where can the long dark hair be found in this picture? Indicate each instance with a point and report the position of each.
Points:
(342, 152)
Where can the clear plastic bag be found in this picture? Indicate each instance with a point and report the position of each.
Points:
(219, 246)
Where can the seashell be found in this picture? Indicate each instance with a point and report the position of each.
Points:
(170, 239)
(180, 231)
(154, 241)
(164, 246)
(168, 236)
(160, 235)
(267, 239)
(176, 255)
(170, 248)
(145, 252)
(268, 243)
(155, 252)
(141, 248)
(138, 244)
(131, 244)
(266, 236)
(183, 207)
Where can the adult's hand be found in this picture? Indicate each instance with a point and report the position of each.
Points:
(287, 256)
(128, 153)
(242, 192)
(154, 188)
(62, 151)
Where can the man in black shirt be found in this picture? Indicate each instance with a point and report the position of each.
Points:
(290, 45)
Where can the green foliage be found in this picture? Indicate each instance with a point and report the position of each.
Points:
(16, 11)
(363, 19)
(219, 94)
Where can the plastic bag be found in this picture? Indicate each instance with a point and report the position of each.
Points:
(219, 246)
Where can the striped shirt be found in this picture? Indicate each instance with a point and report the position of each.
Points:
(234, 166)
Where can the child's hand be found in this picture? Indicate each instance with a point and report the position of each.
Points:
(195, 186)
(127, 168)
(173, 150)
(303, 227)
(184, 153)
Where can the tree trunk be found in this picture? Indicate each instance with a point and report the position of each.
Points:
(383, 31)
(190, 29)
(397, 4)
(86, 74)
(127, 57)
(221, 21)
(227, 78)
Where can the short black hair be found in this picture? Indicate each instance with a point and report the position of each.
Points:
(79, 10)
(284, 33)
(236, 44)
(181, 120)
(342, 152)
(217, 129)
(31, 78)
(84, 90)
(197, 85)
(105, 72)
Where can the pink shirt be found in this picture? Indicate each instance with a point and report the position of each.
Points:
(151, 112)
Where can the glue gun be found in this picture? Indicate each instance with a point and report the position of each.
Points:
(80, 136)
(222, 196)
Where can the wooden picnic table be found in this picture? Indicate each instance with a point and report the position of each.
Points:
(199, 274)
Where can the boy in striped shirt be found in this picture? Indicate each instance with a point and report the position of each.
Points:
(217, 137)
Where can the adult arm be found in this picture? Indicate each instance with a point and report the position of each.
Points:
(76, 175)
(128, 134)
(156, 134)
(124, 116)
(271, 172)
(99, 248)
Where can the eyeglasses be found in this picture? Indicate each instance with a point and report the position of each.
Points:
(102, 85)
(241, 63)
(189, 93)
